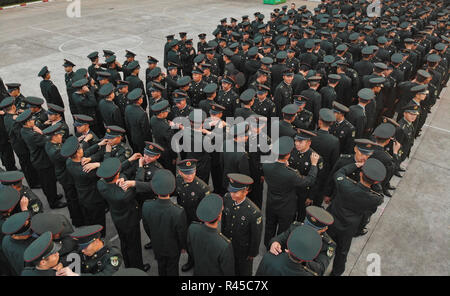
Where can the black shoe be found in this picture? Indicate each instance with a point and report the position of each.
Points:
(387, 193)
(58, 205)
(187, 266)
(361, 232)
(397, 173)
(400, 169)
(390, 187)
(146, 267)
(59, 197)
(148, 246)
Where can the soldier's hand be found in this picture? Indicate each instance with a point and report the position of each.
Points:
(108, 147)
(37, 130)
(127, 184)
(48, 122)
(314, 158)
(141, 162)
(103, 142)
(308, 202)
(2, 112)
(85, 160)
(85, 88)
(118, 64)
(135, 156)
(327, 199)
(183, 251)
(24, 201)
(58, 267)
(91, 166)
(66, 271)
(120, 181)
(397, 147)
(88, 137)
(275, 248)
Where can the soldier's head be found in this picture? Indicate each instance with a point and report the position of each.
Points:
(187, 169)
(289, 112)
(152, 152)
(43, 252)
(288, 76)
(114, 135)
(363, 149)
(55, 133)
(13, 89)
(302, 140)
(180, 102)
(13, 179)
(239, 186)
(197, 74)
(339, 111)
(88, 239)
(372, 172)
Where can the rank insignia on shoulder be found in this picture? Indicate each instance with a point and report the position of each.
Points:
(35, 208)
(320, 165)
(127, 153)
(259, 220)
(330, 252)
(353, 134)
(114, 261)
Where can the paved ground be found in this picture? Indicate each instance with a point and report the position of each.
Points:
(410, 232)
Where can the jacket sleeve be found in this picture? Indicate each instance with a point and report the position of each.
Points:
(320, 264)
(302, 181)
(255, 234)
(181, 230)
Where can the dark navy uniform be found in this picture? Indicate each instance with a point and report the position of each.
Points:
(345, 132)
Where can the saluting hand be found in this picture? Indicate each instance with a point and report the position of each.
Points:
(24, 201)
(134, 157)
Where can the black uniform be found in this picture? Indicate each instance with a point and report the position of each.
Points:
(136, 121)
(163, 134)
(50, 93)
(110, 113)
(243, 225)
(282, 96)
(105, 262)
(345, 132)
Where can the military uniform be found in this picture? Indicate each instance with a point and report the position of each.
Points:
(124, 212)
(212, 251)
(346, 133)
(50, 93)
(137, 123)
(110, 113)
(282, 96)
(229, 100)
(165, 224)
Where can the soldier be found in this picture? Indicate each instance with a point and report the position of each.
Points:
(68, 76)
(190, 192)
(95, 65)
(197, 85)
(303, 246)
(327, 146)
(98, 258)
(210, 91)
(129, 59)
(60, 228)
(85, 136)
(300, 160)
(18, 236)
(113, 68)
(282, 182)
(165, 224)
(124, 212)
(108, 109)
(56, 116)
(405, 133)
(173, 55)
(212, 251)
(286, 127)
(135, 82)
(136, 121)
(35, 141)
(157, 93)
(48, 89)
(328, 93)
(14, 92)
(247, 99)
(37, 112)
(13, 128)
(283, 92)
(242, 223)
(343, 129)
(319, 219)
(357, 114)
(163, 131)
(120, 98)
(27, 200)
(187, 56)
(167, 48)
(152, 64)
(53, 148)
(181, 108)
(82, 170)
(42, 257)
(353, 199)
(202, 44)
(227, 97)
(314, 102)
(304, 117)
(263, 105)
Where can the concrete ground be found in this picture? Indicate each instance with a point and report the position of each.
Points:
(410, 232)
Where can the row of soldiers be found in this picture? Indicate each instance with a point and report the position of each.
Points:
(334, 79)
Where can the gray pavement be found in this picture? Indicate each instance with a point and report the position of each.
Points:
(410, 232)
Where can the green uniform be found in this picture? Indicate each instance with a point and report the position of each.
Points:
(165, 224)
(50, 93)
(281, 265)
(110, 113)
(243, 225)
(137, 123)
(212, 251)
(103, 263)
(322, 261)
(14, 250)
